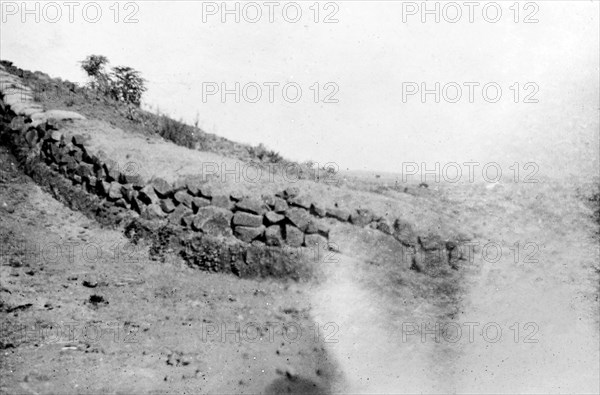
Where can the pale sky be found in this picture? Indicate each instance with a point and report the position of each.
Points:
(368, 54)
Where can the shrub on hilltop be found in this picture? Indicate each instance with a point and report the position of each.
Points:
(122, 83)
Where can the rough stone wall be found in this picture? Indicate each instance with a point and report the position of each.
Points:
(245, 235)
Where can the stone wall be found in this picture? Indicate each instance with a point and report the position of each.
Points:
(245, 235)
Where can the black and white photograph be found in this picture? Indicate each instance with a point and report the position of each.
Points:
(300, 197)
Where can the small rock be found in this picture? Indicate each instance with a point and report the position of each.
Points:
(404, 232)
(269, 200)
(339, 214)
(78, 140)
(291, 192)
(178, 214)
(312, 227)
(248, 234)
(147, 195)
(90, 283)
(273, 218)
(97, 300)
(167, 205)
(114, 191)
(132, 178)
(236, 196)
(361, 217)
(112, 170)
(222, 201)
(193, 186)
(161, 187)
(206, 191)
(184, 198)
(154, 211)
(431, 242)
(384, 226)
(318, 210)
(299, 201)
(199, 202)
(55, 135)
(280, 205)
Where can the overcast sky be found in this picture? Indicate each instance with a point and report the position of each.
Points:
(367, 56)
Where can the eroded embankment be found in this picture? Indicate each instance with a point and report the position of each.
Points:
(268, 235)
(378, 271)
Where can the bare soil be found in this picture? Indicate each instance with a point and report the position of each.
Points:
(138, 325)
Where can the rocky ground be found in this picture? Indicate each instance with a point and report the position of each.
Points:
(85, 311)
(101, 317)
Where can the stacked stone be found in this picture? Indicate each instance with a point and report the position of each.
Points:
(20, 99)
(285, 219)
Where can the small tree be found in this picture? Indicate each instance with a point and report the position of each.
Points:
(93, 65)
(123, 83)
(127, 85)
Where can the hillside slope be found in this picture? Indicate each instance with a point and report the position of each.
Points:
(403, 268)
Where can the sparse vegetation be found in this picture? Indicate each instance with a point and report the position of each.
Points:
(127, 85)
(95, 101)
(122, 84)
(265, 155)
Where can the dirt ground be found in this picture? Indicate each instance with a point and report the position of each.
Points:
(101, 317)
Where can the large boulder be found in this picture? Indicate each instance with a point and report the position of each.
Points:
(222, 201)
(298, 217)
(279, 205)
(252, 205)
(403, 231)
(338, 213)
(361, 217)
(294, 237)
(274, 236)
(246, 219)
(213, 221)
(161, 187)
(183, 198)
(199, 202)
